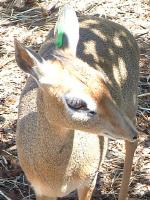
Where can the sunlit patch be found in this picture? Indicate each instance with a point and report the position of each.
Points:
(88, 22)
(134, 99)
(120, 72)
(71, 81)
(100, 34)
(123, 33)
(50, 74)
(64, 188)
(92, 45)
(122, 68)
(117, 41)
(111, 52)
(102, 60)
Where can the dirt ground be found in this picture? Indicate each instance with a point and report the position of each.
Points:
(30, 23)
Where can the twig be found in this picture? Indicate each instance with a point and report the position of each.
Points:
(6, 62)
(144, 95)
(145, 109)
(141, 114)
(9, 154)
(29, 196)
(16, 186)
(1, 193)
(137, 36)
(26, 11)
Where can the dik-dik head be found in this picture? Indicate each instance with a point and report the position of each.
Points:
(75, 96)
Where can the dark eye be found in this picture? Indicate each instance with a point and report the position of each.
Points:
(76, 103)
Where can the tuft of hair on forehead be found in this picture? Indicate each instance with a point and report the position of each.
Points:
(76, 67)
(93, 80)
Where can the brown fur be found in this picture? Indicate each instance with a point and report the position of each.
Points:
(57, 154)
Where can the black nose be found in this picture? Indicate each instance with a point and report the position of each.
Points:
(135, 137)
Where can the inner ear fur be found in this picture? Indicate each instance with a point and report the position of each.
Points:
(26, 58)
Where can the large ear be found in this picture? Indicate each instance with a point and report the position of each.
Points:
(28, 60)
(67, 30)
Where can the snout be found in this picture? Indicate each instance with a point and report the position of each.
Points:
(133, 137)
(123, 128)
(130, 132)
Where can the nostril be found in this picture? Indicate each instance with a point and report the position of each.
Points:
(135, 138)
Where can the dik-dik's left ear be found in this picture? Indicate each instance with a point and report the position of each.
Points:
(28, 60)
(67, 30)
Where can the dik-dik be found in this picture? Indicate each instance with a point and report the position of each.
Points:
(82, 91)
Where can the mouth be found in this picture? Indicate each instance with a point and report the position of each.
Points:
(114, 137)
(109, 135)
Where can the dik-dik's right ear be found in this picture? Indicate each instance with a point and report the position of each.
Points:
(67, 30)
(28, 60)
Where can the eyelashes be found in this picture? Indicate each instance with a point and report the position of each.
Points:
(76, 103)
(81, 105)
